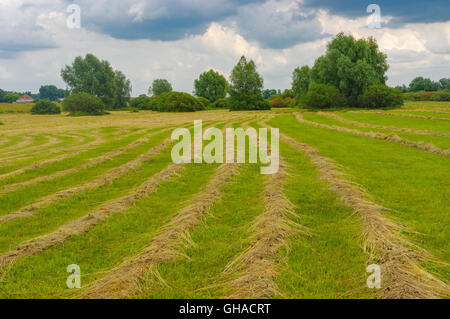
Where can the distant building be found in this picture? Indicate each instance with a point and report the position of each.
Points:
(25, 99)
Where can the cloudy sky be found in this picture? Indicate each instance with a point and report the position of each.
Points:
(179, 39)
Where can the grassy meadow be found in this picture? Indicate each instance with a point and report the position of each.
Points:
(354, 188)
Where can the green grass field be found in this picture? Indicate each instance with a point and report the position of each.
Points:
(102, 193)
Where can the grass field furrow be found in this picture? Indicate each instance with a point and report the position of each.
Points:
(84, 224)
(68, 153)
(164, 247)
(415, 116)
(22, 143)
(383, 127)
(399, 259)
(380, 136)
(90, 163)
(254, 271)
(107, 178)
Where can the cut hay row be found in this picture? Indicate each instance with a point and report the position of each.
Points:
(399, 259)
(26, 140)
(390, 128)
(87, 222)
(51, 141)
(255, 270)
(415, 116)
(425, 110)
(123, 281)
(379, 136)
(90, 163)
(105, 179)
(69, 153)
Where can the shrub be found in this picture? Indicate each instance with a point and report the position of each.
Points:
(45, 107)
(378, 96)
(175, 102)
(280, 101)
(139, 102)
(323, 96)
(220, 104)
(83, 103)
(441, 96)
(203, 101)
(248, 102)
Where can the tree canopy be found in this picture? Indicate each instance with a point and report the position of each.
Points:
(211, 85)
(159, 87)
(246, 87)
(351, 65)
(123, 90)
(51, 92)
(301, 79)
(90, 75)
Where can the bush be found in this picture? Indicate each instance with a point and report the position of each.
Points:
(379, 96)
(248, 102)
(220, 104)
(441, 96)
(203, 101)
(83, 103)
(280, 101)
(45, 107)
(139, 102)
(174, 102)
(323, 96)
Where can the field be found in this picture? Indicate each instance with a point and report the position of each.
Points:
(354, 188)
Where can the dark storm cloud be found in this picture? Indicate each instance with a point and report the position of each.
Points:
(403, 11)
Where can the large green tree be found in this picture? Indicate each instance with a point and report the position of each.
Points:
(211, 85)
(351, 66)
(90, 75)
(50, 92)
(159, 87)
(301, 79)
(123, 90)
(424, 84)
(246, 87)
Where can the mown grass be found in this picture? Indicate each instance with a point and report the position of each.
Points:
(414, 184)
(15, 108)
(398, 121)
(431, 105)
(439, 141)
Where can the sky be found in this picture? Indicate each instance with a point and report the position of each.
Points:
(179, 39)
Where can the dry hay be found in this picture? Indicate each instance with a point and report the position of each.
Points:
(86, 223)
(91, 163)
(256, 269)
(51, 141)
(380, 136)
(399, 259)
(415, 116)
(125, 280)
(390, 128)
(105, 179)
(25, 142)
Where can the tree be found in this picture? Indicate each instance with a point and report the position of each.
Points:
(83, 103)
(268, 93)
(10, 97)
(123, 90)
(424, 84)
(159, 87)
(51, 92)
(351, 66)
(2, 95)
(445, 84)
(211, 85)
(301, 79)
(90, 75)
(246, 86)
